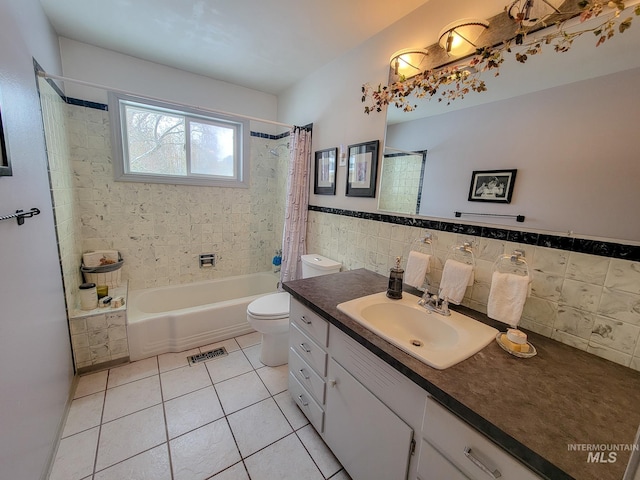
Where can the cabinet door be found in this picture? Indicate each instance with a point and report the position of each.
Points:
(433, 466)
(369, 439)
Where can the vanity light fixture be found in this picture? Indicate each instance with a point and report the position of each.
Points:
(408, 61)
(459, 37)
(531, 12)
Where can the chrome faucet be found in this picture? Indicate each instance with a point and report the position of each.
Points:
(435, 304)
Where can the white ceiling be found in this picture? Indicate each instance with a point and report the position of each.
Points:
(266, 45)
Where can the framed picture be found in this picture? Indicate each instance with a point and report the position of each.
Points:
(362, 168)
(324, 182)
(492, 186)
(5, 164)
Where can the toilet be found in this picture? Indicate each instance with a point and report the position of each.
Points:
(269, 314)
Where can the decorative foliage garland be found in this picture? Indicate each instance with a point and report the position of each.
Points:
(457, 81)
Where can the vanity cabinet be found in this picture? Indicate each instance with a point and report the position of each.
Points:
(449, 445)
(367, 413)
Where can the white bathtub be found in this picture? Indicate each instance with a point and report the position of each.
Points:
(179, 317)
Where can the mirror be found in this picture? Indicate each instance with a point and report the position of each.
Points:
(540, 118)
(401, 179)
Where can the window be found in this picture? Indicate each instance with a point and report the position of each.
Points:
(164, 143)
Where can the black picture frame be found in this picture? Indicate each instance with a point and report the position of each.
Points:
(492, 185)
(5, 163)
(324, 180)
(362, 169)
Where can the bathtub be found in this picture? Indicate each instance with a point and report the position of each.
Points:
(179, 317)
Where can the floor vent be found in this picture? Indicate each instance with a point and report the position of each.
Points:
(203, 357)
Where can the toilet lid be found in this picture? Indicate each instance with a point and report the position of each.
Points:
(272, 305)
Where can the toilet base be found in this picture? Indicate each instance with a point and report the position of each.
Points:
(275, 349)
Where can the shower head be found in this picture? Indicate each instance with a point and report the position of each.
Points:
(274, 151)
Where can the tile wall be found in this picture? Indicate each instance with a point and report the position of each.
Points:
(161, 229)
(399, 182)
(61, 179)
(587, 301)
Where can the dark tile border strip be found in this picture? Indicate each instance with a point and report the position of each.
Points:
(578, 245)
(104, 107)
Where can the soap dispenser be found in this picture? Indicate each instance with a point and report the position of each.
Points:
(395, 281)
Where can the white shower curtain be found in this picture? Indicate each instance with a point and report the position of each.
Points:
(294, 243)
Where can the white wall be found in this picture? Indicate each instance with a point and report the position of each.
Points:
(35, 356)
(104, 67)
(330, 98)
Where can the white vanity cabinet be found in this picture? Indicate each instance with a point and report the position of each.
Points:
(448, 444)
(367, 412)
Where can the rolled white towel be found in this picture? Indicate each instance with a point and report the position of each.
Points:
(417, 268)
(456, 277)
(507, 296)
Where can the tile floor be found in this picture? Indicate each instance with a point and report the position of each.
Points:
(230, 418)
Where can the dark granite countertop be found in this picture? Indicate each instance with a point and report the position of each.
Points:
(534, 408)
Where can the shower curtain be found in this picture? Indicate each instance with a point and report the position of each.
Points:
(295, 222)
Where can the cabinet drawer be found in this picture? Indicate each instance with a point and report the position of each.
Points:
(309, 322)
(307, 404)
(433, 466)
(468, 449)
(313, 382)
(308, 350)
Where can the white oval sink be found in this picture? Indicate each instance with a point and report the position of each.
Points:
(436, 340)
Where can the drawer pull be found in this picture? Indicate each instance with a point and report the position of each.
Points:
(478, 463)
(303, 401)
(304, 375)
(304, 320)
(305, 347)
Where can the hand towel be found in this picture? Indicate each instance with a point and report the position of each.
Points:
(456, 277)
(507, 296)
(417, 268)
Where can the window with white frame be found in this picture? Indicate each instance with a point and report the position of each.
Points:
(159, 142)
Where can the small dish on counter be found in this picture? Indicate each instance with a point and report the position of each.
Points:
(532, 350)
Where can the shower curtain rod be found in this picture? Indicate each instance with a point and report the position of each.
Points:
(125, 92)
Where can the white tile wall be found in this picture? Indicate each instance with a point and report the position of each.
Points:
(586, 301)
(62, 189)
(161, 229)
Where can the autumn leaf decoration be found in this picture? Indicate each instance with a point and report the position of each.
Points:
(453, 82)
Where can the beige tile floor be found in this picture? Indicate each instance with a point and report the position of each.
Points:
(230, 418)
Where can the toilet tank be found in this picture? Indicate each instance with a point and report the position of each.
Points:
(314, 265)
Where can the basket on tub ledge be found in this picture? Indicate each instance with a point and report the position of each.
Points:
(102, 267)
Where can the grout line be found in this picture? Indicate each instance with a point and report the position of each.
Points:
(164, 416)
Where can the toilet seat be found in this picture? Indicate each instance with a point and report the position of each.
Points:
(273, 306)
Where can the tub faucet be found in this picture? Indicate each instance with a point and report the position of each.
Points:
(432, 303)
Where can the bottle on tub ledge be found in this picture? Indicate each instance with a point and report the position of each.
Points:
(277, 261)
